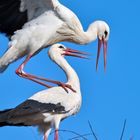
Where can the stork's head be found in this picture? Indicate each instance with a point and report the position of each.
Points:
(102, 30)
(58, 50)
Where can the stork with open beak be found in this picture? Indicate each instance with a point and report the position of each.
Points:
(36, 24)
(47, 108)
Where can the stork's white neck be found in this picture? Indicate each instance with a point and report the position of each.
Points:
(85, 37)
(72, 76)
(91, 32)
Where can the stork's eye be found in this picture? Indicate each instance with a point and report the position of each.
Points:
(61, 47)
(106, 33)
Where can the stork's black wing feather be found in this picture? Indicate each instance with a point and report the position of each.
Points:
(4, 115)
(27, 108)
(30, 107)
(11, 19)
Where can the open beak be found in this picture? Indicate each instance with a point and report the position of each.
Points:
(100, 42)
(75, 53)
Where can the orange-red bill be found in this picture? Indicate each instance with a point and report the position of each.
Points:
(76, 51)
(100, 42)
(105, 53)
(71, 52)
(98, 53)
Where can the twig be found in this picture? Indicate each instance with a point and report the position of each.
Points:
(122, 134)
(78, 136)
(92, 131)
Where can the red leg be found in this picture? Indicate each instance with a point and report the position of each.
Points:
(34, 78)
(45, 138)
(46, 134)
(56, 134)
(21, 73)
(63, 85)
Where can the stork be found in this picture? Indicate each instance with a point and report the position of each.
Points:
(36, 24)
(47, 108)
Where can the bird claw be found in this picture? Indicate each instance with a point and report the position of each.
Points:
(65, 86)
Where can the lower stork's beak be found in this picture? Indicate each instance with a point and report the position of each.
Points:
(71, 52)
(100, 42)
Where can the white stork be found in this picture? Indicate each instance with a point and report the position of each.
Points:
(36, 24)
(47, 108)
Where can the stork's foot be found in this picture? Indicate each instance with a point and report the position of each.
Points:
(65, 86)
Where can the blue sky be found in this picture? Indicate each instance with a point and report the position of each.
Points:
(108, 98)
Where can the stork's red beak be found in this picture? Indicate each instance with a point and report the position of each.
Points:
(100, 42)
(71, 52)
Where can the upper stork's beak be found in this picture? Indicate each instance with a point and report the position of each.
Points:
(71, 52)
(100, 42)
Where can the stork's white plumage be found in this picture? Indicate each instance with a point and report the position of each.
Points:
(40, 23)
(47, 108)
